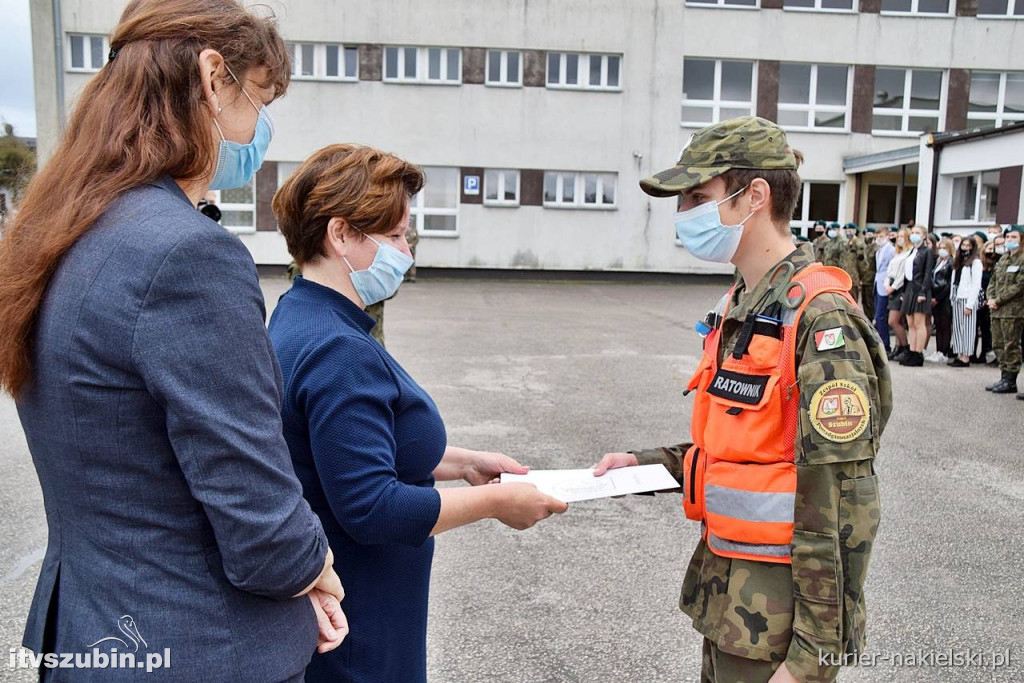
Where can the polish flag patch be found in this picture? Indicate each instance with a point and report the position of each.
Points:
(830, 340)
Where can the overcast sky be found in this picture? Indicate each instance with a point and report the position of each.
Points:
(17, 103)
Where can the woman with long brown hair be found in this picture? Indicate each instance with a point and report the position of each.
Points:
(132, 338)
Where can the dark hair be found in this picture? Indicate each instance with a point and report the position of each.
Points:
(369, 188)
(958, 260)
(142, 116)
(785, 186)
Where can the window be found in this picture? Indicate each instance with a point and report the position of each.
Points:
(1001, 8)
(975, 197)
(501, 188)
(88, 52)
(996, 98)
(932, 7)
(818, 202)
(238, 208)
(813, 96)
(503, 68)
(819, 5)
(588, 72)
(423, 65)
(566, 189)
(906, 100)
(324, 61)
(435, 209)
(723, 3)
(715, 90)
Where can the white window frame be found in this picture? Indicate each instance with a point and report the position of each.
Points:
(812, 107)
(806, 221)
(1008, 14)
(418, 211)
(579, 190)
(998, 117)
(249, 206)
(502, 176)
(717, 104)
(905, 113)
(950, 11)
(320, 61)
(87, 53)
(503, 82)
(723, 3)
(979, 199)
(827, 10)
(422, 65)
(582, 72)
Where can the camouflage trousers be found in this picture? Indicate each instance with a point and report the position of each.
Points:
(722, 667)
(1006, 340)
(867, 300)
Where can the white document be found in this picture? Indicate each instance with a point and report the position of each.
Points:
(572, 486)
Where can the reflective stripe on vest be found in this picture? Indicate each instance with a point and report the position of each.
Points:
(748, 446)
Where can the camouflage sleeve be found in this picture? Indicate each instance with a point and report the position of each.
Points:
(669, 456)
(845, 402)
(1011, 287)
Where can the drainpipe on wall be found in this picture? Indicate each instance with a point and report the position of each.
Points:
(58, 51)
(936, 151)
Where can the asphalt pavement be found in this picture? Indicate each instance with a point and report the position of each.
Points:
(556, 374)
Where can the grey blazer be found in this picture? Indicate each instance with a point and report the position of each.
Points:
(153, 420)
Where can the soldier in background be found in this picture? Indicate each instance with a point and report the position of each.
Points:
(771, 605)
(869, 248)
(412, 236)
(1005, 296)
(819, 239)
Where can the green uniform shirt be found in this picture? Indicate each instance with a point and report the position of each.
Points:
(789, 612)
(1007, 285)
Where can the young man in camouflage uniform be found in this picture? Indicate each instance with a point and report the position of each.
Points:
(820, 239)
(765, 621)
(1006, 305)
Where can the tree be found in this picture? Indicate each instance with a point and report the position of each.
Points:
(17, 163)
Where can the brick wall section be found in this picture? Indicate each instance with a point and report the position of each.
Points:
(474, 64)
(534, 68)
(957, 99)
(870, 6)
(371, 61)
(967, 8)
(471, 198)
(863, 98)
(266, 186)
(531, 187)
(768, 89)
(1008, 209)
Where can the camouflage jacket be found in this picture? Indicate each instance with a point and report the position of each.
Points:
(866, 264)
(843, 254)
(791, 612)
(819, 247)
(1007, 286)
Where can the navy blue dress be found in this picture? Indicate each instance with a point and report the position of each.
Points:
(364, 439)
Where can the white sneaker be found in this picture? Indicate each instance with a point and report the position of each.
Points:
(937, 358)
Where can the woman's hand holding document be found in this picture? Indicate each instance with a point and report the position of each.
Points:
(572, 486)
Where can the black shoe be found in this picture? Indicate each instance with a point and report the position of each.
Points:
(914, 359)
(957, 363)
(901, 353)
(1020, 397)
(1007, 385)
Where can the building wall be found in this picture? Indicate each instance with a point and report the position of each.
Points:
(631, 133)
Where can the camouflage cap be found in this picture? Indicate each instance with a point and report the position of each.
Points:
(747, 142)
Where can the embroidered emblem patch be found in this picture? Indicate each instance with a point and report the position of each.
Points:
(839, 410)
(829, 340)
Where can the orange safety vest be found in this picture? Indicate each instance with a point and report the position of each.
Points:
(741, 474)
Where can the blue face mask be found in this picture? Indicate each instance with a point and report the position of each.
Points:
(702, 232)
(1012, 246)
(832, 234)
(238, 163)
(384, 276)
(915, 239)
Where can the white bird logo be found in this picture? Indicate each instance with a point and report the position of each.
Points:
(127, 626)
